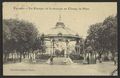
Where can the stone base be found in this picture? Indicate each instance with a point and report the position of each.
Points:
(60, 61)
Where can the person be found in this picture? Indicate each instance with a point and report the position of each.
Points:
(88, 59)
(30, 59)
(100, 58)
(62, 52)
(115, 60)
(51, 60)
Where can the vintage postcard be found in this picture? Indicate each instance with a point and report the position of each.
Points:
(60, 38)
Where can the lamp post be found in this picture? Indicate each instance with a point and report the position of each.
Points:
(53, 41)
(66, 51)
(84, 53)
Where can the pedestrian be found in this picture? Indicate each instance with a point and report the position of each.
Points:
(100, 59)
(88, 60)
(51, 60)
(115, 60)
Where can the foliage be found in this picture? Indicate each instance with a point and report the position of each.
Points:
(23, 34)
(20, 36)
(102, 37)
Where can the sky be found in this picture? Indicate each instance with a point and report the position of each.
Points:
(78, 16)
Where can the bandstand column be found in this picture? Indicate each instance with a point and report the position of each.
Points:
(53, 46)
(66, 50)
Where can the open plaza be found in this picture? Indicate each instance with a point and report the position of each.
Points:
(102, 69)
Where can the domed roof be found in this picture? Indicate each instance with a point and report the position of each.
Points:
(61, 30)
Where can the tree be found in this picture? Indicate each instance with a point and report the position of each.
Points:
(95, 38)
(6, 40)
(103, 36)
(23, 35)
(111, 33)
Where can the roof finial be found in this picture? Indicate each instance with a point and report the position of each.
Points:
(59, 17)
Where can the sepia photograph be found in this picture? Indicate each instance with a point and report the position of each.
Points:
(60, 39)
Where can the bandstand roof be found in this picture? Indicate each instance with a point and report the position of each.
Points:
(60, 30)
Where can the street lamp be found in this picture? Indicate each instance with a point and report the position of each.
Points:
(66, 52)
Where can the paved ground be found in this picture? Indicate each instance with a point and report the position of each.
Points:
(44, 69)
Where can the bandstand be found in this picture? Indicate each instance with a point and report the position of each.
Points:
(60, 34)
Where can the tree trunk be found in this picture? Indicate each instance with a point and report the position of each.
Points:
(12, 57)
(100, 57)
(24, 55)
(95, 58)
(20, 56)
(17, 57)
(88, 58)
(5, 57)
